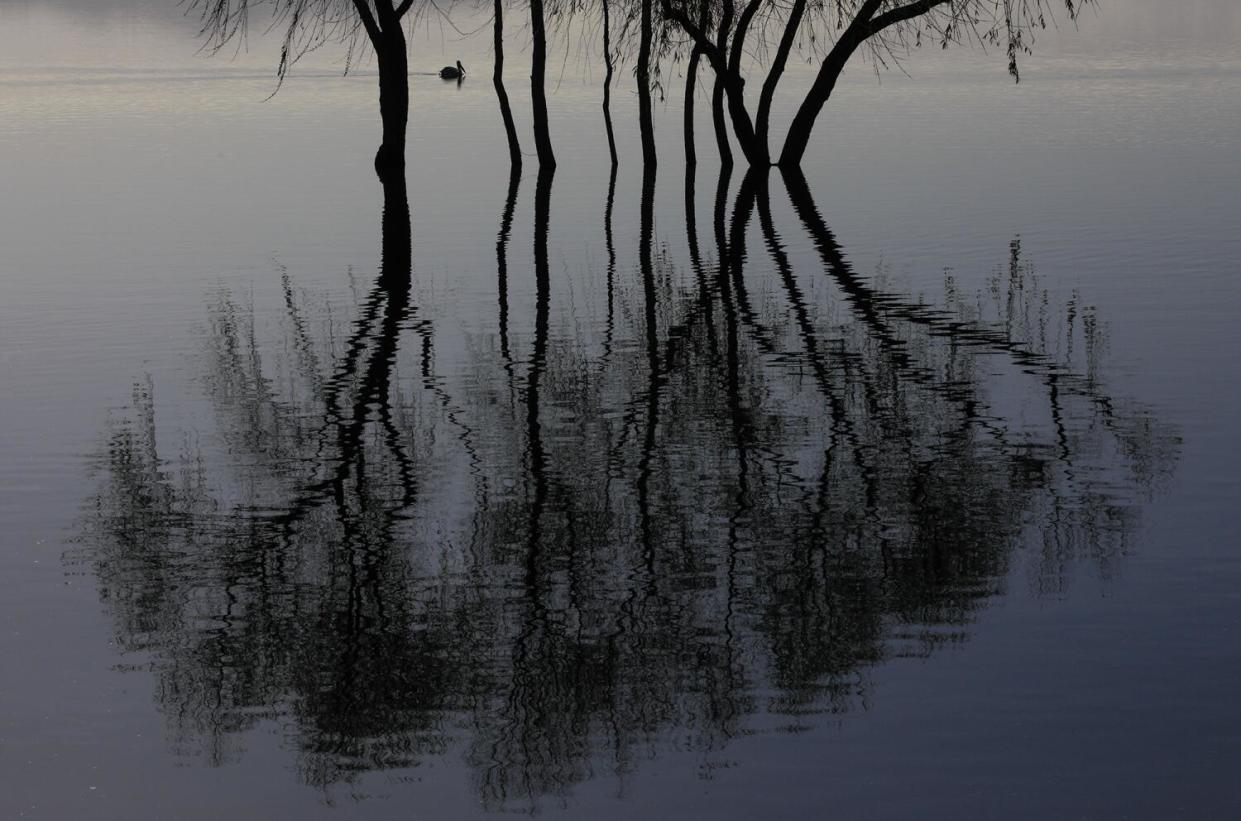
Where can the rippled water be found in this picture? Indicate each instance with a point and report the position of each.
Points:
(903, 489)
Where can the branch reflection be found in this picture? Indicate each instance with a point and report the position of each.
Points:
(771, 480)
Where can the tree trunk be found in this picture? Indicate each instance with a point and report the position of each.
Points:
(538, 365)
(718, 91)
(506, 226)
(730, 86)
(691, 81)
(646, 124)
(538, 94)
(655, 378)
(610, 243)
(756, 153)
(393, 102)
(497, 79)
(803, 121)
(719, 226)
(607, 80)
(721, 124)
(743, 128)
(691, 84)
(705, 296)
(397, 241)
(646, 258)
(732, 379)
(762, 119)
(734, 315)
(824, 83)
(743, 208)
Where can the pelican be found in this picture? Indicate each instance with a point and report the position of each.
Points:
(450, 73)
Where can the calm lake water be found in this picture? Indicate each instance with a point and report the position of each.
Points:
(906, 490)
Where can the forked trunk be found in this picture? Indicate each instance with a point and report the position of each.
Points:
(755, 152)
(762, 118)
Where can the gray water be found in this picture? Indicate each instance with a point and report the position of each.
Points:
(912, 495)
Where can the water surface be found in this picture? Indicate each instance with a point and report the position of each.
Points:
(906, 489)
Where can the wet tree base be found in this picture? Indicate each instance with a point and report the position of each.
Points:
(389, 161)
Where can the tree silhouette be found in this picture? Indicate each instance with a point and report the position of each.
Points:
(607, 79)
(538, 89)
(497, 80)
(736, 42)
(310, 24)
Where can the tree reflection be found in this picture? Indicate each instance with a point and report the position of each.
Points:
(773, 479)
